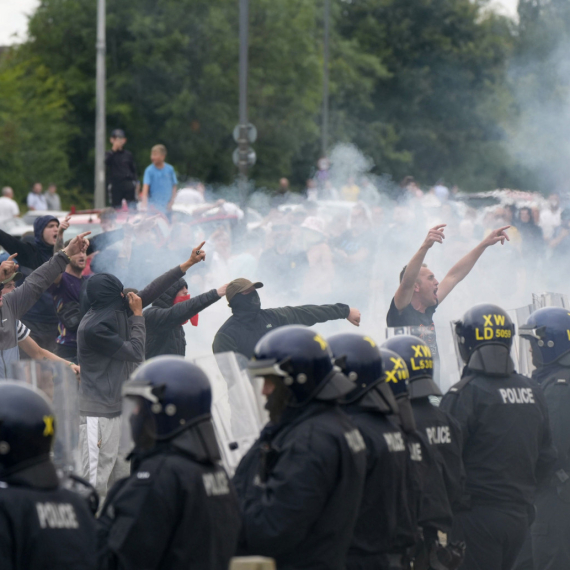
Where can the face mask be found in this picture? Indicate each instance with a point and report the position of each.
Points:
(246, 303)
(181, 299)
(277, 401)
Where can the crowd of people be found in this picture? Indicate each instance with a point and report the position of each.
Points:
(359, 466)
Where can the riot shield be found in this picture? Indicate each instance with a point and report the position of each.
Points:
(237, 405)
(521, 346)
(58, 382)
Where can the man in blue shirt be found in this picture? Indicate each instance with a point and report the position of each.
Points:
(159, 183)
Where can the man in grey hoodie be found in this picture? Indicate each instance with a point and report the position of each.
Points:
(110, 345)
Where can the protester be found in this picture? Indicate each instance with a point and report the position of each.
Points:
(53, 200)
(249, 322)
(121, 172)
(65, 292)
(508, 448)
(420, 293)
(187, 504)
(8, 206)
(110, 344)
(550, 218)
(533, 245)
(164, 320)
(16, 302)
(159, 183)
(300, 484)
(36, 200)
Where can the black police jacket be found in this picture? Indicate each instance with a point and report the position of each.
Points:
(176, 511)
(300, 487)
(43, 525)
(242, 331)
(507, 443)
(443, 433)
(386, 520)
(428, 485)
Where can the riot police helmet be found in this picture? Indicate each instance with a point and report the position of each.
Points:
(485, 336)
(419, 361)
(165, 396)
(360, 360)
(27, 426)
(300, 359)
(548, 331)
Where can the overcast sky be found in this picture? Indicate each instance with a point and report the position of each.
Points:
(13, 17)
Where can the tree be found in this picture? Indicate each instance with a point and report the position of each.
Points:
(34, 135)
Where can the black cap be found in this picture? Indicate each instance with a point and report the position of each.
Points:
(119, 134)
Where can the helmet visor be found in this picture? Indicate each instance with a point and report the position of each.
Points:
(138, 428)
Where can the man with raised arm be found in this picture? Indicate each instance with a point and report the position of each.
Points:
(420, 293)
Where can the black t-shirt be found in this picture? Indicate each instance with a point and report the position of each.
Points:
(120, 166)
(409, 317)
(423, 322)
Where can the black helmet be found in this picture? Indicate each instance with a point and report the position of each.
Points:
(359, 358)
(396, 376)
(418, 358)
(548, 331)
(27, 426)
(302, 359)
(169, 395)
(484, 325)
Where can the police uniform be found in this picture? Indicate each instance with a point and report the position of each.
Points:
(507, 442)
(547, 330)
(386, 525)
(177, 509)
(440, 430)
(42, 524)
(300, 485)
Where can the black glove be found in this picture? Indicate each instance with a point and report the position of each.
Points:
(448, 557)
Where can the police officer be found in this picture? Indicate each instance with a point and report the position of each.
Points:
(386, 524)
(439, 428)
(428, 486)
(178, 508)
(300, 484)
(42, 524)
(506, 440)
(548, 332)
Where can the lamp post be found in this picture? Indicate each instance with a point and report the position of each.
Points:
(100, 118)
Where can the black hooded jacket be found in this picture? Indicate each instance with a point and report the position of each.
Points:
(164, 331)
(111, 341)
(176, 511)
(242, 331)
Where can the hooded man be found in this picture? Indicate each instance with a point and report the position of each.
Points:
(110, 344)
(165, 319)
(249, 322)
(41, 319)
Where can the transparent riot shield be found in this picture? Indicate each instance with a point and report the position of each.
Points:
(237, 405)
(521, 346)
(58, 382)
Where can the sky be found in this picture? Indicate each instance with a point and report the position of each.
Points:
(13, 17)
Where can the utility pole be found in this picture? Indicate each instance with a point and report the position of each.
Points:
(100, 117)
(243, 140)
(325, 125)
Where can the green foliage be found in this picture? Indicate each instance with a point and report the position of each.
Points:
(423, 87)
(33, 131)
